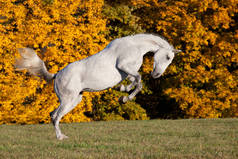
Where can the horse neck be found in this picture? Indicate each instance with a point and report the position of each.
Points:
(148, 48)
(150, 43)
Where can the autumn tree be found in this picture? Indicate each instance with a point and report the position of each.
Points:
(200, 83)
(203, 79)
(61, 32)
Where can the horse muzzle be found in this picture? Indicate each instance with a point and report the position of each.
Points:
(155, 75)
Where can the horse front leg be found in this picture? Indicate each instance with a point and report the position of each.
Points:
(137, 83)
(138, 88)
(127, 88)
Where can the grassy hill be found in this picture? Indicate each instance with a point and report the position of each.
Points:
(203, 138)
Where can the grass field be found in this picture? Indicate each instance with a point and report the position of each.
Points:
(203, 138)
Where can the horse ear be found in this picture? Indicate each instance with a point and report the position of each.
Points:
(176, 51)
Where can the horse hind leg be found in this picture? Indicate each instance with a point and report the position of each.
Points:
(66, 105)
(53, 114)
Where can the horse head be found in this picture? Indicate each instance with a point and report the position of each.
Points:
(162, 58)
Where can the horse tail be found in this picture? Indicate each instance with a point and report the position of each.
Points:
(33, 64)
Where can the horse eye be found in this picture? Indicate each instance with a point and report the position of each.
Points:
(167, 57)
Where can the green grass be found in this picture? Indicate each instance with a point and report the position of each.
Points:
(205, 138)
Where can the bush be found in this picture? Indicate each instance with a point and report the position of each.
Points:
(107, 107)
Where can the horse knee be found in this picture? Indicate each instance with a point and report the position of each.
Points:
(122, 88)
(123, 99)
(131, 78)
(138, 78)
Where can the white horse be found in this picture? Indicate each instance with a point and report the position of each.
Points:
(121, 58)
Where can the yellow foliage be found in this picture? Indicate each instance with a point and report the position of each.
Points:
(202, 80)
(207, 70)
(69, 29)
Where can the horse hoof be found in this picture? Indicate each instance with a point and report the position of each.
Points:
(123, 99)
(62, 137)
(122, 88)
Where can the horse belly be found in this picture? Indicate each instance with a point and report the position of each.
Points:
(101, 79)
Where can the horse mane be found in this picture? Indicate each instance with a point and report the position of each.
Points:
(155, 39)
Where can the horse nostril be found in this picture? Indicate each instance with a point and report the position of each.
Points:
(156, 75)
